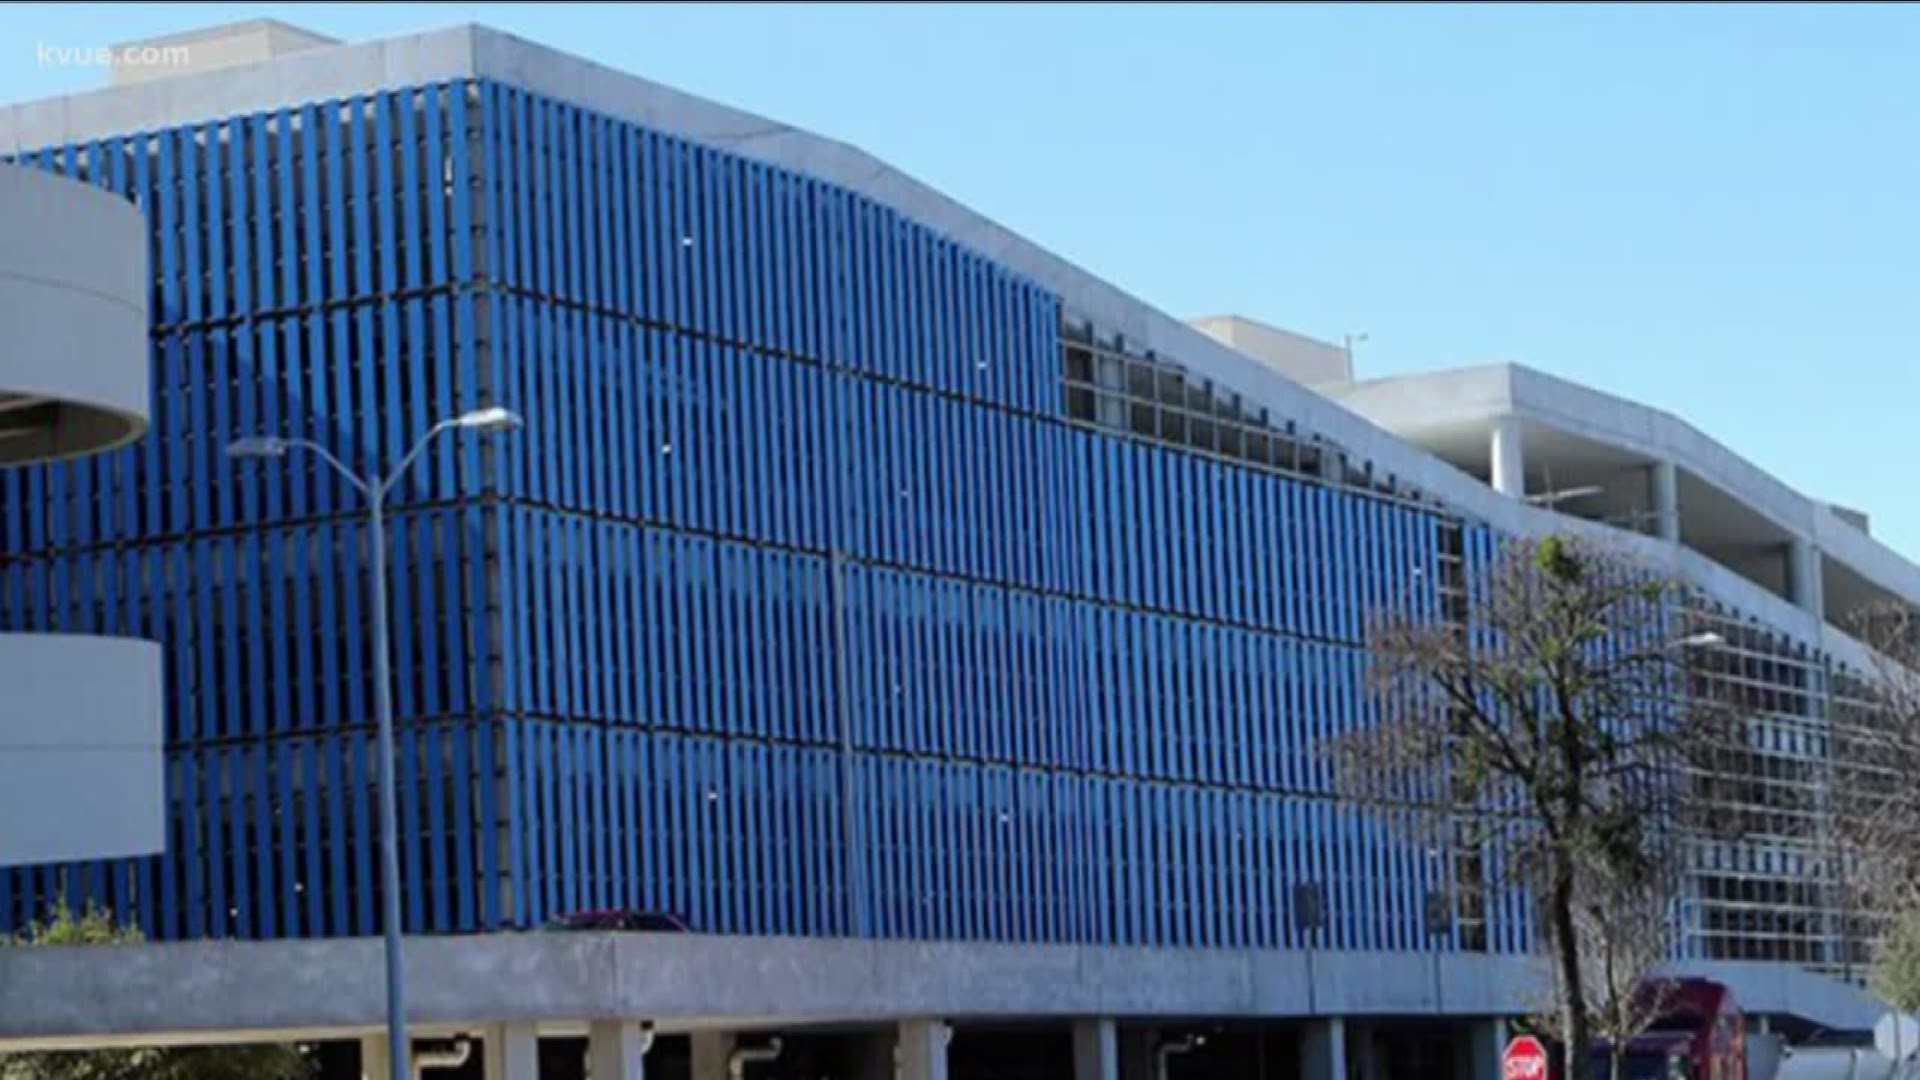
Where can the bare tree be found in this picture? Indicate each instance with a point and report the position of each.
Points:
(1548, 725)
(1874, 812)
(1626, 930)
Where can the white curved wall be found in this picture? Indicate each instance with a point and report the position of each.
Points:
(81, 770)
(80, 756)
(73, 318)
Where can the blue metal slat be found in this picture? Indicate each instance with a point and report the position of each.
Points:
(576, 220)
(192, 298)
(213, 183)
(513, 150)
(454, 907)
(273, 848)
(287, 198)
(490, 911)
(332, 793)
(407, 777)
(363, 773)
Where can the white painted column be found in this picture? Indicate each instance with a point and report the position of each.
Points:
(375, 1062)
(1486, 1043)
(617, 1049)
(1096, 1050)
(922, 1049)
(711, 1049)
(1323, 1050)
(1333, 465)
(1508, 454)
(1803, 577)
(1664, 494)
(511, 1052)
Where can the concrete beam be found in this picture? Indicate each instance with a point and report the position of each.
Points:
(224, 991)
(1096, 1050)
(510, 1052)
(922, 1050)
(617, 1049)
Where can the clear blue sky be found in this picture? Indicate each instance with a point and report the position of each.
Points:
(1713, 210)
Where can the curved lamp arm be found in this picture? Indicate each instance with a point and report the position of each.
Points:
(274, 446)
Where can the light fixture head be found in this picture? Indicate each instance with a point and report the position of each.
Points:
(492, 418)
(1699, 639)
(258, 446)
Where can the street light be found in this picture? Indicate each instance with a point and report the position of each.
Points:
(374, 489)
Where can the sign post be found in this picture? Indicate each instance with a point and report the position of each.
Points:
(1525, 1059)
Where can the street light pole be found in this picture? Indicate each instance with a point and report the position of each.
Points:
(399, 1047)
(374, 490)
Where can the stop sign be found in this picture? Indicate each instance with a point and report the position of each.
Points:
(1525, 1059)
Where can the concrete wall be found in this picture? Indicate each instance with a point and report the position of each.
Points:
(80, 748)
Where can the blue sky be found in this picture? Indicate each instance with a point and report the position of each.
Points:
(1709, 209)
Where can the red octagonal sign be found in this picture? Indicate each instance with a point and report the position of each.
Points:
(1525, 1059)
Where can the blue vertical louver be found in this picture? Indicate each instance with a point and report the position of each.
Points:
(798, 607)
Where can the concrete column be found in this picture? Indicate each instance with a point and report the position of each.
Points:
(1323, 1050)
(1803, 577)
(1333, 466)
(1096, 1050)
(1508, 453)
(1663, 492)
(617, 1050)
(1486, 1042)
(511, 1052)
(922, 1053)
(375, 1062)
(711, 1049)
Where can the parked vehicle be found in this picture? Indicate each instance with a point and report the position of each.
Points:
(1701, 1035)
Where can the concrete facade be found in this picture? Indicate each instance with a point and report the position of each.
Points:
(466, 52)
(718, 985)
(1472, 417)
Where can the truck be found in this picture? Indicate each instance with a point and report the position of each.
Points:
(1703, 1034)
